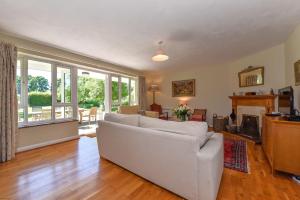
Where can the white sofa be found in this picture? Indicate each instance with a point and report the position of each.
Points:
(174, 161)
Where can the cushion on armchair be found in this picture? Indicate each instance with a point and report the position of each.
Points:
(158, 108)
(152, 114)
(198, 115)
(196, 118)
(129, 110)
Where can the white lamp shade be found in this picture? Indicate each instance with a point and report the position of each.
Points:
(154, 88)
(160, 57)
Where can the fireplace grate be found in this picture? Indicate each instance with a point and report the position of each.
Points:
(250, 127)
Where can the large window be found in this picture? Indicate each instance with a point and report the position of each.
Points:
(49, 90)
(124, 91)
(44, 91)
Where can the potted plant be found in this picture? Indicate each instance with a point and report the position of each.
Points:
(182, 112)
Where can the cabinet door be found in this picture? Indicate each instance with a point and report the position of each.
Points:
(287, 149)
(267, 138)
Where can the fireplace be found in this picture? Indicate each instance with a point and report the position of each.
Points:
(258, 111)
(250, 127)
(249, 111)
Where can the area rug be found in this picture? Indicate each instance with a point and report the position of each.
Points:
(235, 155)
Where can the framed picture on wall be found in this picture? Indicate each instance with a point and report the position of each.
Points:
(252, 76)
(183, 88)
(297, 72)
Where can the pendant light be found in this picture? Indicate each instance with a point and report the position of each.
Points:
(160, 55)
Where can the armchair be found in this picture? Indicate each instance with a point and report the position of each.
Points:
(198, 115)
(157, 108)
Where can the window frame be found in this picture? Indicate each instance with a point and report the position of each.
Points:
(135, 92)
(56, 104)
(24, 90)
(120, 89)
(106, 83)
(26, 105)
(24, 58)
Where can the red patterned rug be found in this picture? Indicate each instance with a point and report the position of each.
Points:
(235, 155)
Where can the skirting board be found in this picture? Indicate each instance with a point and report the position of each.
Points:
(43, 144)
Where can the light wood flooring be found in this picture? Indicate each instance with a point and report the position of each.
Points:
(73, 170)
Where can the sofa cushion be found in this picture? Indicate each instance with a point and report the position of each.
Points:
(131, 120)
(196, 129)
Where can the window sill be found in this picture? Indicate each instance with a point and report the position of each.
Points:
(46, 123)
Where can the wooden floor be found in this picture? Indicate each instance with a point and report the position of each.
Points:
(73, 170)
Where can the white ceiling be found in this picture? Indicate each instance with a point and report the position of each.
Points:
(125, 32)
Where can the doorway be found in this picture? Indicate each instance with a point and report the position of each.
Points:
(91, 99)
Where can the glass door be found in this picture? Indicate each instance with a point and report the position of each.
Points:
(91, 99)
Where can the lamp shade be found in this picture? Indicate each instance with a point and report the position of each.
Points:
(160, 57)
(154, 88)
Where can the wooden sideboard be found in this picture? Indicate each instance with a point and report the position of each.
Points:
(281, 144)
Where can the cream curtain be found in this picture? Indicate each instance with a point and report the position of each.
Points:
(142, 93)
(8, 101)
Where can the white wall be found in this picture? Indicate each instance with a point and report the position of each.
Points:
(211, 89)
(292, 55)
(272, 59)
(215, 84)
(37, 136)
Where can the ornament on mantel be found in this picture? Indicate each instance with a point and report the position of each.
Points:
(233, 116)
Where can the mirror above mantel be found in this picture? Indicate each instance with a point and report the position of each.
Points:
(252, 76)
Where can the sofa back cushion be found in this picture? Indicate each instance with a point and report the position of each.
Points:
(196, 129)
(131, 120)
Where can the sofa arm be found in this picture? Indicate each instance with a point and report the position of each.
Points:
(210, 167)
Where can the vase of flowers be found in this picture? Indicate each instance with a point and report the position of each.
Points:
(182, 112)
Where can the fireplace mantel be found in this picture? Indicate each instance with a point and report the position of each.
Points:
(254, 97)
(267, 101)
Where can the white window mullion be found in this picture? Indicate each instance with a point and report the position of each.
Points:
(136, 91)
(54, 89)
(108, 93)
(74, 98)
(120, 90)
(24, 87)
